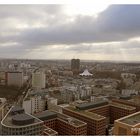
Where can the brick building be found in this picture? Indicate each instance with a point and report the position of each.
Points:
(129, 125)
(96, 124)
(63, 124)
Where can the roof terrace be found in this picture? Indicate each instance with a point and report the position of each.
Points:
(87, 114)
(73, 121)
(50, 132)
(132, 119)
(46, 115)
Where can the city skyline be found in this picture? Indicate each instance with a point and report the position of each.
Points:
(88, 32)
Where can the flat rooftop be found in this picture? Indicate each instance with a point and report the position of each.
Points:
(132, 119)
(68, 119)
(45, 115)
(127, 107)
(87, 114)
(90, 105)
(135, 101)
(19, 118)
(49, 131)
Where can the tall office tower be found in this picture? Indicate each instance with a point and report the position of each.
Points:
(75, 66)
(14, 78)
(18, 122)
(128, 125)
(38, 80)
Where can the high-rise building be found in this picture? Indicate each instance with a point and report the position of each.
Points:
(14, 78)
(75, 66)
(38, 80)
(128, 125)
(18, 122)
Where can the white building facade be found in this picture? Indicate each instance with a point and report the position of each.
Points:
(38, 80)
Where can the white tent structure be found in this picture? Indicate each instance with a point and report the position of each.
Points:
(86, 73)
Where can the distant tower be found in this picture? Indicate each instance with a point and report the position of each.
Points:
(75, 66)
(38, 80)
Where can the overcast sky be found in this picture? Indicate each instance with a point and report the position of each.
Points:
(90, 32)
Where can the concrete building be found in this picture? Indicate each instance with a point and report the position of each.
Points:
(63, 124)
(129, 92)
(51, 102)
(2, 78)
(38, 80)
(34, 104)
(129, 125)
(2, 108)
(14, 78)
(75, 66)
(18, 122)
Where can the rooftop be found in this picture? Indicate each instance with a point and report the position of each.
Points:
(22, 119)
(70, 120)
(49, 131)
(86, 113)
(16, 109)
(122, 106)
(132, 119)
(45, 115)
(90, 105)
(19, 119)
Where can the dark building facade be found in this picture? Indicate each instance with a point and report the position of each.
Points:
(75, 66)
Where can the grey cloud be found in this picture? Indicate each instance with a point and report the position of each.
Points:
(116, 23)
